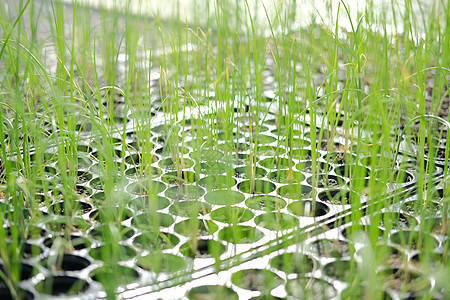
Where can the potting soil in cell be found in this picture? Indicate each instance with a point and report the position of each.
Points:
(195, 209)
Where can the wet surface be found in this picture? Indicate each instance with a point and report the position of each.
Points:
(270, 226)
